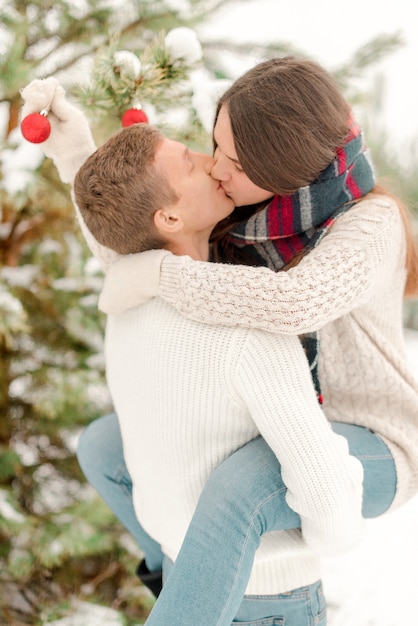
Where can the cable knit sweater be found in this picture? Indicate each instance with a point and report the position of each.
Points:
(188, 395)
(350, 288)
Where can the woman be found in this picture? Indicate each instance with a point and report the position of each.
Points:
(279, 134)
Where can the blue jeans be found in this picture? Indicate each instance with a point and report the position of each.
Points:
(243, 499)
(300, 607)
(304, 606)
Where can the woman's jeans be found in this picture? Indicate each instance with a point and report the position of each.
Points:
(243, 499)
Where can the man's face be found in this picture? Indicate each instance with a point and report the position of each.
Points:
(202, 200)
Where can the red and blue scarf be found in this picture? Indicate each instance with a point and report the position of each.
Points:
(295, 224)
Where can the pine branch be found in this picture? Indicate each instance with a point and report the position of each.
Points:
(266, 51)
(368, 55)
(111, 91)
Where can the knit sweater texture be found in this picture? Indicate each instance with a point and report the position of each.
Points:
(164, 384)
(349, 288)
(189, 394)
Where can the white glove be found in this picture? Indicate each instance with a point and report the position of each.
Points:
(70, 141)
(131, 281)
(69, 144)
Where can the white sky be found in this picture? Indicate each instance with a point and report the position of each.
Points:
(330, 32)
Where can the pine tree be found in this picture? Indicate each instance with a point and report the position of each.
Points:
(55, 535)
(52, 376)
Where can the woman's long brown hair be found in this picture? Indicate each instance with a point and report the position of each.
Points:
(288, 118)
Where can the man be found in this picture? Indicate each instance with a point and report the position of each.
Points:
(188, 395)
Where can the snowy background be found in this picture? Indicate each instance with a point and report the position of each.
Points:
(373, 585)
(330, 32)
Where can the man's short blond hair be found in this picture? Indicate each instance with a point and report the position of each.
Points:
(118, 190)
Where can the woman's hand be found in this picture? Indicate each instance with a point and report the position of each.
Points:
(131, 280)
(70, 141)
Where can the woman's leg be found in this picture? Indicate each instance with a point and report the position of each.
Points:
(379, 482)
(243, 499)
(100, 455)
(305, 606)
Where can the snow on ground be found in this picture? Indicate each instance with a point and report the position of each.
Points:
(375, 585)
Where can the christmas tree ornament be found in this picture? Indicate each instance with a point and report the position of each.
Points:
(35, 127)
(135, 115)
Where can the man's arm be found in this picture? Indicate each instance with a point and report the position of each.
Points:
(324, 482)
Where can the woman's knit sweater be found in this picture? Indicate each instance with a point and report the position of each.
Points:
(350, 288)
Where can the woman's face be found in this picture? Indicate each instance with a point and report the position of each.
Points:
(227, 169)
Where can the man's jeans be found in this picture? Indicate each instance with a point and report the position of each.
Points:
(243, 499)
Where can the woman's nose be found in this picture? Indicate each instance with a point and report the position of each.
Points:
(219, 172)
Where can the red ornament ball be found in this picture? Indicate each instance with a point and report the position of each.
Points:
(35, 128)
(134, 116)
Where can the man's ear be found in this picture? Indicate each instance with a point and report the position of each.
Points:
(167, 222)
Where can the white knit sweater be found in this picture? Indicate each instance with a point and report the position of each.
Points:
(350, 288)
(364, 374)
(189, 394)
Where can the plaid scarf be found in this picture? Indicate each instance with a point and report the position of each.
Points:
(295, 224)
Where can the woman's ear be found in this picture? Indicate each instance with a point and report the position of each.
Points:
(167, 221)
